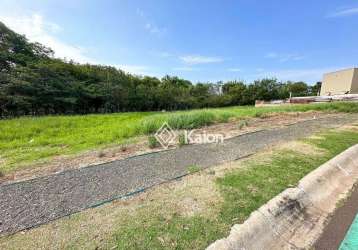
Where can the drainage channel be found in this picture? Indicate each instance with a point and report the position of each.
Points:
(341, 232)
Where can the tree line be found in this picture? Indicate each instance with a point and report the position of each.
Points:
(33, 82)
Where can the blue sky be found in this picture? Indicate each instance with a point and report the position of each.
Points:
(197, 40)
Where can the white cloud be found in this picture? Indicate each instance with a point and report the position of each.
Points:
(344, 12)
(197, 59)
(185, 69)
(36, 29)
(152, 28)
(284, 57)
(271, 55)
(234, 69)
(149, 25)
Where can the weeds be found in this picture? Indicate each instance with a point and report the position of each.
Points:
(152, 141)
(182, 139)
(192, 169)
(242, 124)
(260, 114)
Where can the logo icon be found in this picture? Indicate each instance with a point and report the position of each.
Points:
(165, 135)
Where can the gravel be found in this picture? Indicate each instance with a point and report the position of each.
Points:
(34, 202)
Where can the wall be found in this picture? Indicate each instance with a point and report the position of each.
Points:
(354, 89)
(337, 82)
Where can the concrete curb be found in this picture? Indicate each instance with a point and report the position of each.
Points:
(295, 218)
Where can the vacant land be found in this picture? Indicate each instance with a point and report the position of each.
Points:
(55, 196)
(25, 141)
(194, 211)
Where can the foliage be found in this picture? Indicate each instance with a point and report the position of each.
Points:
(182, 139)
(32, 82)
(152, 141)
(242, 124)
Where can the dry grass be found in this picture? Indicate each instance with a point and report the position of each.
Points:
(302, 148)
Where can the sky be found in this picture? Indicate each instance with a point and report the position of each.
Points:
(201, 41)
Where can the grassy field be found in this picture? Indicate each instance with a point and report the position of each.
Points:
(24, 141)
(219, 197)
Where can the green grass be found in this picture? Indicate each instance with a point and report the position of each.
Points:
(182, 140)
(152, 141)
(24, 141)
(158, 232)
(192, 169)
(243, 190)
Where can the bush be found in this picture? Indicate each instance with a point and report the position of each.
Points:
(182, 139)
(242, 124)
(152, 141)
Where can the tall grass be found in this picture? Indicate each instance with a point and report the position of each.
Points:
(24, 141)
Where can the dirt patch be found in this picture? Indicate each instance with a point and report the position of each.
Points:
(349, 127)
(242, 126)
(303, 148)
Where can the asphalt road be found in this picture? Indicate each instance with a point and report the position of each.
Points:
(34, 202)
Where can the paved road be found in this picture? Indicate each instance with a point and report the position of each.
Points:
(31, 203)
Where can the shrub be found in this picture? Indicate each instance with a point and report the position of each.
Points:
(182, 139)
(152, 141)
(242, 124)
